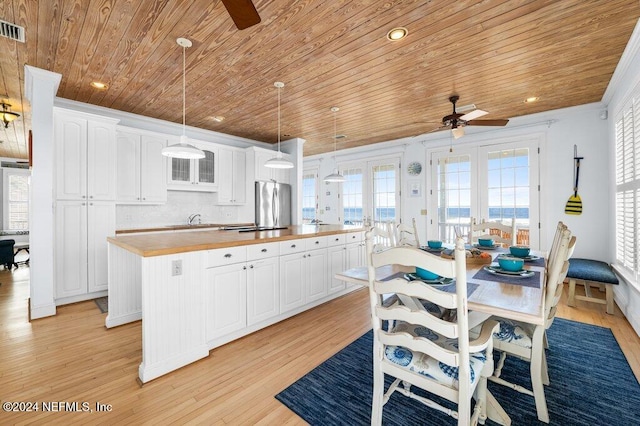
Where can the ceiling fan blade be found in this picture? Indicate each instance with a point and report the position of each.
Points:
(243, 13)
(473, 115)
(487, 122)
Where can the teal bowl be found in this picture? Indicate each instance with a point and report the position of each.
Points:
(426, 275)
(511, 264)
(434, 244)
(485, 242)
(520, 251)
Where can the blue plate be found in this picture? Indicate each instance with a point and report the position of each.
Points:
(493, 247)
(530, 258)
(438, 281)
(496, 270)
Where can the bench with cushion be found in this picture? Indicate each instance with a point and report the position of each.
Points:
(591, 273)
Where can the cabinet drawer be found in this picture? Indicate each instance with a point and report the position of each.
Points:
(315, 243)
(354, 237)
(262, 251)
(336, 240)
(291, 246)
(225, 256)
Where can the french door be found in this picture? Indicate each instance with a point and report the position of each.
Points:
(371, 192)
(492, 182)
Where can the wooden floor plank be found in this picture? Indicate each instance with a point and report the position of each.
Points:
(73, 357)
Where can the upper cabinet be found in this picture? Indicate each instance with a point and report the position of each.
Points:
(141, 168)
(195, 175)
(85, 156)
(266, 173)
(233, 176)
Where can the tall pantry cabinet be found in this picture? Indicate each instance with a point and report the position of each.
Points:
(85, 213)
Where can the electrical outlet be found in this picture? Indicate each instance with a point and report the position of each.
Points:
(176, 267)
(423, 212)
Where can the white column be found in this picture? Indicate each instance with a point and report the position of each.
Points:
(40, 88)
(294, 147)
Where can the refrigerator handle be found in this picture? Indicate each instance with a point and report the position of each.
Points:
(274, 206)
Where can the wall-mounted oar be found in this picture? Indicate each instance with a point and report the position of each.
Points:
(574, 204)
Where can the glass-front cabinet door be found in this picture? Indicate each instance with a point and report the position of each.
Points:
(195, 175)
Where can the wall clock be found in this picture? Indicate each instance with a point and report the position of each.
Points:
(414, 168)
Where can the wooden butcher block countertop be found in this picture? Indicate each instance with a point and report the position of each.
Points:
(164, 243)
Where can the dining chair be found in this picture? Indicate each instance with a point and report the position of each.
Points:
(500, 233)
(407, 235)
(421, 349)
(527, 341)
(551, 255)
(384, 235)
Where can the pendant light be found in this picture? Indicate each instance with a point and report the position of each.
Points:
(7, 115)
(183, 149)
(335, 176)
(278, 162)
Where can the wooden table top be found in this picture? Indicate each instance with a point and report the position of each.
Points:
(164, 243)
(509, 301)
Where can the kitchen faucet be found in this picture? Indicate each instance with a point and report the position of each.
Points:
(192, 218)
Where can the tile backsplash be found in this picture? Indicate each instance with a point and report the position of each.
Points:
(180, 205)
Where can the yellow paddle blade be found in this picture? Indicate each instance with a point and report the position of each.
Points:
(574, 205)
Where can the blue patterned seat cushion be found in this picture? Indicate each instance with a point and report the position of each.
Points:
(514, 332)
(591, 270)
(425, 365)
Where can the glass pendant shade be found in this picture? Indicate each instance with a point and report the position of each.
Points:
(183, 149)
(457, 132)
(7, 115)
(278, 162)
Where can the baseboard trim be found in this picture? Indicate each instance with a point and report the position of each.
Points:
(150, 372)
(112, 321)
(41, 311)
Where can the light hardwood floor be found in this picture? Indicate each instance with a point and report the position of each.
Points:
(72, 358)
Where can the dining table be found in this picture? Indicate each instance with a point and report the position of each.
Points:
(489, 294)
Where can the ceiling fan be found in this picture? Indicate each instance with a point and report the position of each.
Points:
(243, 13)
(456, 121)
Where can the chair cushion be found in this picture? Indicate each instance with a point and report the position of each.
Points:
(517, 333)
(425, 365)
(591, 270)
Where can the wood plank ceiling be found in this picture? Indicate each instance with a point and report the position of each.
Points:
(492, 53)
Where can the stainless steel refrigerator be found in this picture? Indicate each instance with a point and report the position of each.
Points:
(273, 204)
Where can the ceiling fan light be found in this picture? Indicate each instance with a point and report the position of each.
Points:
(334, 177)
(457, 132)
(7, 116)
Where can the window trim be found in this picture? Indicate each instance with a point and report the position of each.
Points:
(6, 172)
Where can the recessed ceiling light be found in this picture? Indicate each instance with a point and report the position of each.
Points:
(98, 85)
(218, 118)
(531, 99)
(397, 33)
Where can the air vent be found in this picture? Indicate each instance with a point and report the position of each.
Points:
(12, 31)
(12, 165)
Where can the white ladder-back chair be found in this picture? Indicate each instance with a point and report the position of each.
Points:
(551, 255)
(407, 235)
(527, 341)
(384, 235)
(421, 349)
(499, 232)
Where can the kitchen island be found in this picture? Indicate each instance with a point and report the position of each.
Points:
(197, 290)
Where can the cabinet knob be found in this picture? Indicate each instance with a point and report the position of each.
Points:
(84, 196)
(337, 239)
(137, 198)
(264, 250)
(144, 198)
(251, 267)
(84, 204)
(309, 255)
(244, 267)
(90, 196)
(304, 256)
(293, 246)
(228, 255)
(90, 204)
(317, 242)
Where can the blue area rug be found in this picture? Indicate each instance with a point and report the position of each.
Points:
(591, 384)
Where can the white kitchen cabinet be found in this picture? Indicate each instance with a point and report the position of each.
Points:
(303, 274)
(195, 175)
(141, 168)
(81, 266)
(226, 299)
(269, 174)
(355, 250)
(232, 188)
(85, 147)
(263, 290)
(336, 253)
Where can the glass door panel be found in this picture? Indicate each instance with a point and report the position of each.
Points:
(180, 170)
(385, 191)
(454, 194)
(206, 168)
(352, 199)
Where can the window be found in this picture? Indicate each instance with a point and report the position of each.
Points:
(628, 188)
(309, 196)
(16, 200)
